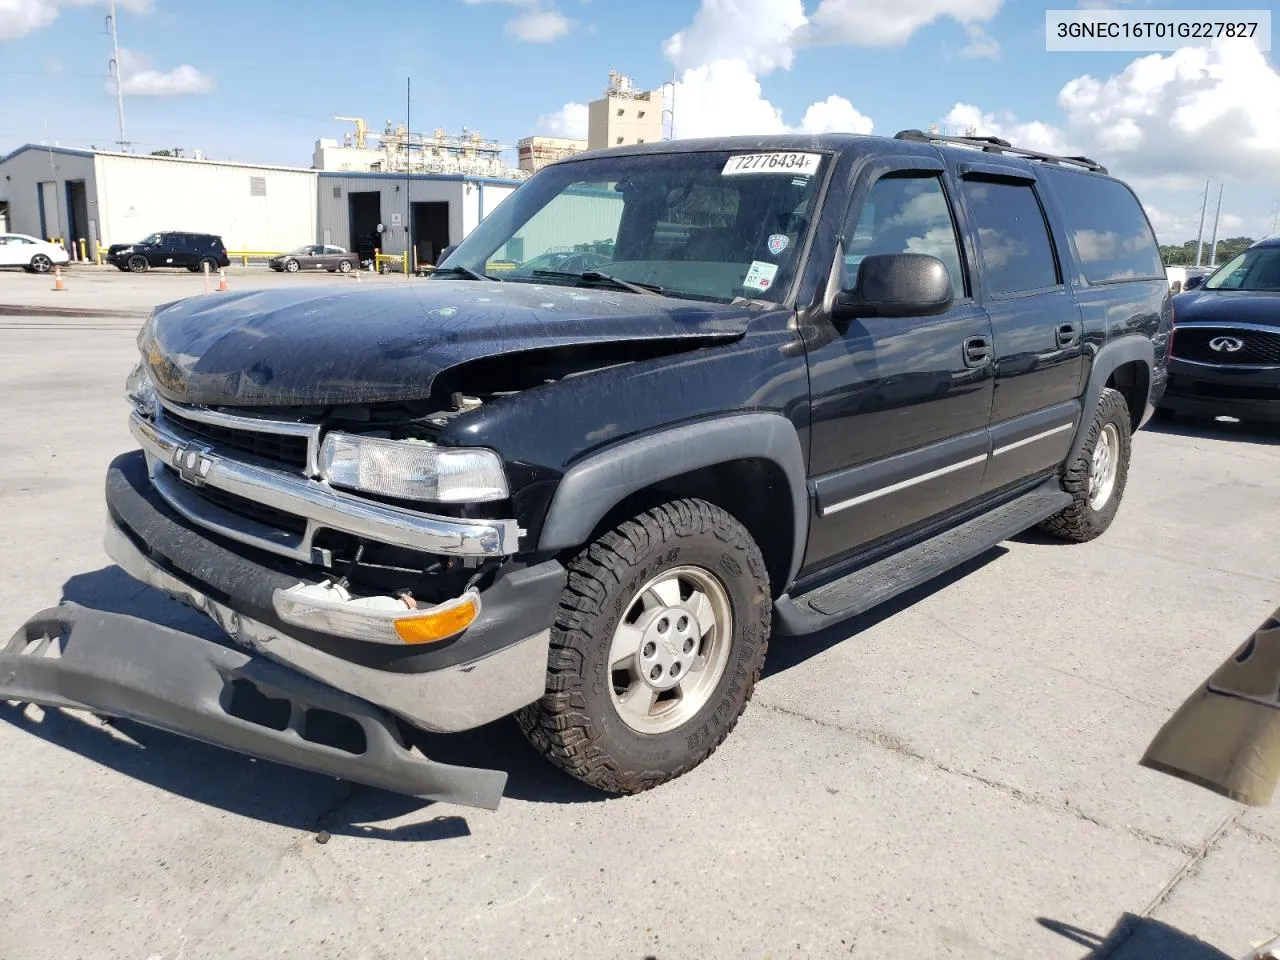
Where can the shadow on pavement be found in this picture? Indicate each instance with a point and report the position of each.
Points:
(1207, 428)
(1137, 938)
(786, 652)
(268, 791)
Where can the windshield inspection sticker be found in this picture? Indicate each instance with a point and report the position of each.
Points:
(778, 242)
(760, 276)
(804, 164)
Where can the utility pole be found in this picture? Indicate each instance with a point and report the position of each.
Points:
(1200, 235)
(1213, 251)
(408, 204)
(115, 69)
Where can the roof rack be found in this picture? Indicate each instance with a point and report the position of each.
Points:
(996, 145)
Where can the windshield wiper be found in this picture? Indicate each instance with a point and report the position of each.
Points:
(595, 276)
(462, 271)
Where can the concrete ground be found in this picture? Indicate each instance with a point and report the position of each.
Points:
(955, 775)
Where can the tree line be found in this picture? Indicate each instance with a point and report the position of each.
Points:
(1185, 255)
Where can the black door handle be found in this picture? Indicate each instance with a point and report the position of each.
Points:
(1066, 334)
(977, 351)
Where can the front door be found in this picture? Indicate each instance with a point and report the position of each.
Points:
(900, 405)
(1035, 321)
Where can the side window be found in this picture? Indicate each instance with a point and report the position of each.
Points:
(1112, 238)
(905, 215)
(1013, 239)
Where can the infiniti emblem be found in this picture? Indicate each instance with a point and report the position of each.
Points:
(1226, 344)
(192, 463)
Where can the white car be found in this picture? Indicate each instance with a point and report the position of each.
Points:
(30, 253)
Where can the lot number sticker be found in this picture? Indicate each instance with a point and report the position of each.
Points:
(760, 276)
(802, 164)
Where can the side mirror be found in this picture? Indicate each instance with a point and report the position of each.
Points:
(896, 285)
(1193, 282)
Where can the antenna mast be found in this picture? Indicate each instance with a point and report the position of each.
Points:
(115, 70)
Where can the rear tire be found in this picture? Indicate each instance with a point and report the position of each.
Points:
(138, 264)
(1097, 477)
(643, 615)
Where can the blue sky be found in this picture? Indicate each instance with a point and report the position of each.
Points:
(260, 82)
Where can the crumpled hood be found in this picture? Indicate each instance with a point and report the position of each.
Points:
(1228, 306)
(317, 346)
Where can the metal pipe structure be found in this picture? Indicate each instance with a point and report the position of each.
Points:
(1213, 250)
(1204, 203)
(115, 68)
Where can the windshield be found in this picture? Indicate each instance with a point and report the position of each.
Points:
(1257, 269)
(304, 250)
(152, 239)
(705, 226)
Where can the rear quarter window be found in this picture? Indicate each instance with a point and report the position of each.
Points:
(1109, 231)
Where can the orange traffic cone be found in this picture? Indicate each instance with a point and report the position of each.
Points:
(222, 280)
(57, 278)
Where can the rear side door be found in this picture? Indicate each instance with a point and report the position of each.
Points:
(1035, 320)
(900, 405)
(160, 253)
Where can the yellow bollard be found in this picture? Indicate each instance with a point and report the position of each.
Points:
(83, 254)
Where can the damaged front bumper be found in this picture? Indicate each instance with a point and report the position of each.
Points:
(117, 665)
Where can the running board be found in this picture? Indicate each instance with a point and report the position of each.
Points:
(897, 573)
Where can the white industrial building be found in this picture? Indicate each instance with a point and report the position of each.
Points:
(103, 197)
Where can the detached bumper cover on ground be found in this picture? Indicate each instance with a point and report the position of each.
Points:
(70, 656)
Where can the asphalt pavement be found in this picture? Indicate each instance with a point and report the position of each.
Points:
(953, 775)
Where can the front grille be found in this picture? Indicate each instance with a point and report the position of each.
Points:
(1259, 347)
(1191, 387)
(274, 448)
(251, 509)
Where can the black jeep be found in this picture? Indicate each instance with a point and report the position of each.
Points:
(194, 251)
(811, 373)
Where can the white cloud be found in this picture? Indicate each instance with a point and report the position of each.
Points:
(140, 79)
(834, 115)
(1175, 119)
(21, 17)
(569, 121)
(724, 98)
(981, 45)
(538, 26)
(889, 23)
(760, 33)
(965, 118)
(1172, 228)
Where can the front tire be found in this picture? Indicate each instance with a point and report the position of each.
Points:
(1097, 477)
(138, 264)
(658, 643)
(41, 263)
(291, 266)
(344, 266)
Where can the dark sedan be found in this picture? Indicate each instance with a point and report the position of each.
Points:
(1226, 342)
(315, 256)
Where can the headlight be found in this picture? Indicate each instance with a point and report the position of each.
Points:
(141, 392)
(412, 469)
(125, 250)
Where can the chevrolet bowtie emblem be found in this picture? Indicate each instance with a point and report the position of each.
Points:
(193, 463)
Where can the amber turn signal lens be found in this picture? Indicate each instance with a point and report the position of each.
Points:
(438, 625)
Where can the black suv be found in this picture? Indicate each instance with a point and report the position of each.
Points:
(806, 373)
(170, 249)
(1226, 344)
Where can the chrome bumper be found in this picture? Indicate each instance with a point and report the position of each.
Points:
(454, 698)
(322, 507)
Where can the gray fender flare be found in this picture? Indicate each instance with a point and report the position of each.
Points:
(1110, 356)
(594, 485)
